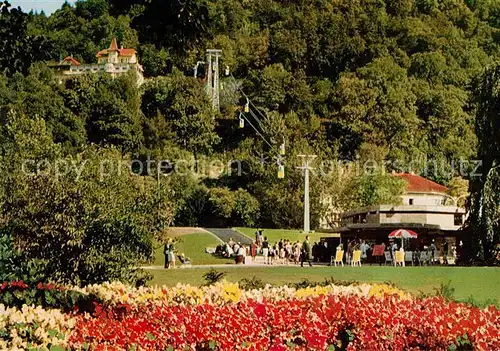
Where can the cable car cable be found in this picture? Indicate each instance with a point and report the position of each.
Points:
(257, 131)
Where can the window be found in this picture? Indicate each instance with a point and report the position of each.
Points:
(412, 201)
(459, 219)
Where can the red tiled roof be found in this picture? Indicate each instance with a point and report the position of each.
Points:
(114, 47)
(418, 184)
(71, 61)
(126, 52)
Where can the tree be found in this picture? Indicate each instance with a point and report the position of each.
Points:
(110, 107)
(19, 49)
(68, 220)
(377, 103)
(484, 220)
(376, 189)
(181, 103)
(180, 25)
(156, 62)
(459, 190)
(26, 146)
(39, 95)
(85, 29)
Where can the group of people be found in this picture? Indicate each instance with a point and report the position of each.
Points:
(367, 250)
(357, 245)
(283, 252)
(232, 249)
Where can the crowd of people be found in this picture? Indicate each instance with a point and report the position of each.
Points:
(286, 252)
(294, 252)
(282, 252)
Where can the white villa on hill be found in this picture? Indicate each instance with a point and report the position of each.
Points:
(113, 61)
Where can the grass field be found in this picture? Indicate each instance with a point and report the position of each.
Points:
(193, 246)
(483, 284)
(274, 235)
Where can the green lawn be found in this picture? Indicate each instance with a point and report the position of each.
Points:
(481, 283)
(193, 246)
(274, 235)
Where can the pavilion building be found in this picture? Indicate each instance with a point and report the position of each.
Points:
(426, 208)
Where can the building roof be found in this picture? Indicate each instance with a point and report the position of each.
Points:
(71, 61)
(126, 52)
(114, 47)
(418, 184)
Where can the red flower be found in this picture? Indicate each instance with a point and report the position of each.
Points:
(314, 324)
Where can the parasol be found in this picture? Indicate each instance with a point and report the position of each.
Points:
(403, 234)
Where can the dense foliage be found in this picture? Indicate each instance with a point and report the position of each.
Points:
(370, 80)
(484, 222)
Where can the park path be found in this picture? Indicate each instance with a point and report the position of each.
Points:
(225, 234)
(259, 263)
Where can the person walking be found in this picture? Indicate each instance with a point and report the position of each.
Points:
(253, 250)
(168, 252)
(306, 252)
(265, 251)
(260, 238)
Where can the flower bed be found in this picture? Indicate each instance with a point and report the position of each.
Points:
(223, 293)
(33, 328)
(320, 323)
(225, 317)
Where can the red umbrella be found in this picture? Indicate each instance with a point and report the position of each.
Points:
(403, 234)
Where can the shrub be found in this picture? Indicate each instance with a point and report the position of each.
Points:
(251, 284)
(445, 290)
(213, 276)
(17, 294)
(15, 267)
(306, 283)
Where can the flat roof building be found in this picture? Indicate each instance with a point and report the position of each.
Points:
(426, 208)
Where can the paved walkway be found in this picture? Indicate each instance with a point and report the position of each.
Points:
(248, 265)
(225, 234)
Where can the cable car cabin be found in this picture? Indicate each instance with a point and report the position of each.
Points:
(281, 172)
(282, 149)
